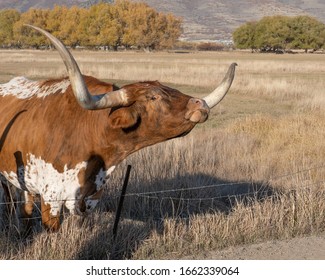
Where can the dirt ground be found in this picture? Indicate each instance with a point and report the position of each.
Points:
(303, 248)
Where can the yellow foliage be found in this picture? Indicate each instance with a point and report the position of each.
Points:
(122, 23)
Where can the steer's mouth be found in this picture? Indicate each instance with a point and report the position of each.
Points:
(197, 110)
(198, 116)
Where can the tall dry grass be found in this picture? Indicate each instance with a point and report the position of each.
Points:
(257, 174)
(286, 78)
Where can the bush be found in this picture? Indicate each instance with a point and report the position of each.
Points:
(280, 33)
(210, 47)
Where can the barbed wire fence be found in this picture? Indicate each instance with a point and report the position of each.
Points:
(160, 194)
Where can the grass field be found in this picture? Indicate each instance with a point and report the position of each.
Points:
(254, 171)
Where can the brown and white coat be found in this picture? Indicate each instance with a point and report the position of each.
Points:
(62, 138)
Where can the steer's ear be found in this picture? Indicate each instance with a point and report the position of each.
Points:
(123, 118)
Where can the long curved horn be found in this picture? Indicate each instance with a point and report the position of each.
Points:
(219, 93)
(84, 98)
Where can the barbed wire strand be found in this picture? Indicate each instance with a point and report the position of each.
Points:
(235, 196)
(149, 193)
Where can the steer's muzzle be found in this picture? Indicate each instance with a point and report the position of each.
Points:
(198, 110)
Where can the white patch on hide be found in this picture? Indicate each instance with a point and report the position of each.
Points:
(102, 176)
(23, 88)
(40, 177)
(100, 182)
(90, 204)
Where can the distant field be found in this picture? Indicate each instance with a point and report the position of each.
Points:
(255, 171)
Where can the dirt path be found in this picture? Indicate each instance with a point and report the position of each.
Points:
(303, 248)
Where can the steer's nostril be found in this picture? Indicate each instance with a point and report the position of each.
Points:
(197, 102)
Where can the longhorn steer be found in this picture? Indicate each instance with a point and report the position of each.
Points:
(62, 138)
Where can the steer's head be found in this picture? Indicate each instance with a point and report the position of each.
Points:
(156, 112)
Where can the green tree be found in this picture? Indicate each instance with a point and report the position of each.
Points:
(307, 33)
(244, 36)
(273, 33)
(281, 32)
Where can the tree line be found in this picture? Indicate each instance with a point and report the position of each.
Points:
(124, 23)
(280, 33)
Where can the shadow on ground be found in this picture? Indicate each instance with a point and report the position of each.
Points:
(177, 198)
(144, 212)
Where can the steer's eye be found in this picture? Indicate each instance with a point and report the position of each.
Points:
(154, 97)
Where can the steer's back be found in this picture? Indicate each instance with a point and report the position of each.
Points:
(25, 108)
(40, 118)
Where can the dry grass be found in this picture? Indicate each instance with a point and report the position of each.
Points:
(261, 156)
(281, 78)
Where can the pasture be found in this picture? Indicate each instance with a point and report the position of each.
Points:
(253, 172)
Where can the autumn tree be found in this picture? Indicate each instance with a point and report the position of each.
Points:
(26, 36)
(146, 28)
(65, 24)
(122, 23)
(7, 19)
(140, 21)
(101, 26)
(172, 30)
